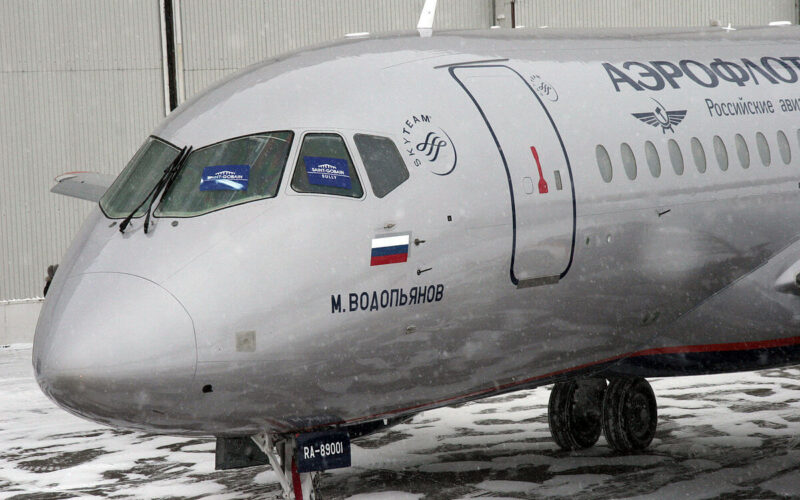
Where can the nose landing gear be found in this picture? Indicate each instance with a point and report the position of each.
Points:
(625, 410)
(295, 485)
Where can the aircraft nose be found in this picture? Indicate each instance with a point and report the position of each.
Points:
(115, 348)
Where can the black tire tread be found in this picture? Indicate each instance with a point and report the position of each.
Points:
(617, 395)
(560, 418)
(557, 417)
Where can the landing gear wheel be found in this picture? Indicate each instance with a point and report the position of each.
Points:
(575, 413)
(630, 414)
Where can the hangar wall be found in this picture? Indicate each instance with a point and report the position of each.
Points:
(651, 13)
(80, 87)
(82, 82)
(221, 37)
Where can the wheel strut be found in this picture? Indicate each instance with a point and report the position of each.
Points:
(280, 453)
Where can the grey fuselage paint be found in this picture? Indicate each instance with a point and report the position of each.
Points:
(668, 275)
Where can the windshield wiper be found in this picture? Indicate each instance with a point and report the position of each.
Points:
(166, 179)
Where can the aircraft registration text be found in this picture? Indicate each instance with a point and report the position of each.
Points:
(323, 451)
(396, 297)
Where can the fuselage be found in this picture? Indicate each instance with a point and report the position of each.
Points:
(531, 254)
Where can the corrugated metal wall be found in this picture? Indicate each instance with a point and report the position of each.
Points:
(80, 87)
(623, 13)
(220, 37)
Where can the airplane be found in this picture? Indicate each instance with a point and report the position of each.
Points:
(334, 240)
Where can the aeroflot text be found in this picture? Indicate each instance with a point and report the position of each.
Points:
(396, 297)
(656, 75)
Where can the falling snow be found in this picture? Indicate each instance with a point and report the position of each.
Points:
(722, 435)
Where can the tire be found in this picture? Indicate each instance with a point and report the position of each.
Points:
(630, 414)
(575, 413)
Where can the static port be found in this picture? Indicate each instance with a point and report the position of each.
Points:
(207, 388)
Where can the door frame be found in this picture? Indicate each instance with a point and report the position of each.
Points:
(547, 280)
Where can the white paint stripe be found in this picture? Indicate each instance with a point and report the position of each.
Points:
(390, 241)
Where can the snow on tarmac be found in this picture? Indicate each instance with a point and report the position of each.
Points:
(721, 436)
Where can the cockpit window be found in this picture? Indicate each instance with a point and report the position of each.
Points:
(139, 178)
(228, 173)
(324, 166)
(385, 167)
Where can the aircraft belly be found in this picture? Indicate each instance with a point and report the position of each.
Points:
(751, 309)
(749, 325)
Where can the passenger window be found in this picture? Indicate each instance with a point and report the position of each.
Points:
(324, 166)
(383, 163)
(604, 163)
(699, 155)
(742, 151)
(784, 148)
(653, 160)
(763, 149)
(675, 156)
(628, 161)
(721, 152)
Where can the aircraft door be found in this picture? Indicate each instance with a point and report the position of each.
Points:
(537, 167)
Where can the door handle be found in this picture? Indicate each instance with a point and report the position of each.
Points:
(542, 182)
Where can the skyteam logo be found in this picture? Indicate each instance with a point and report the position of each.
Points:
(225, 177)
(660, 117)
(428, 146)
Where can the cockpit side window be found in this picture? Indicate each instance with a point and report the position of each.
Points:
(137, 179)
(383, 162)
(228, 173)
(324, 166)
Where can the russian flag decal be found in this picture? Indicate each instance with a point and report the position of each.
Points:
(389, 249)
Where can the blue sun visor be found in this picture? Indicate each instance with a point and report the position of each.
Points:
(323, 171)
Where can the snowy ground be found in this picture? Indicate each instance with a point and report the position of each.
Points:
(727, 436)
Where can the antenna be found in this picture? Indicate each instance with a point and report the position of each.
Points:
(425, 24)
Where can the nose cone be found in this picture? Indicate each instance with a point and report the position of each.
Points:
(117, 349)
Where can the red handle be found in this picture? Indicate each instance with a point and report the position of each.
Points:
(542, 183)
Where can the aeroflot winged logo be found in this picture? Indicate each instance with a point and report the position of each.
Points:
(662, 118)
(427, 145)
